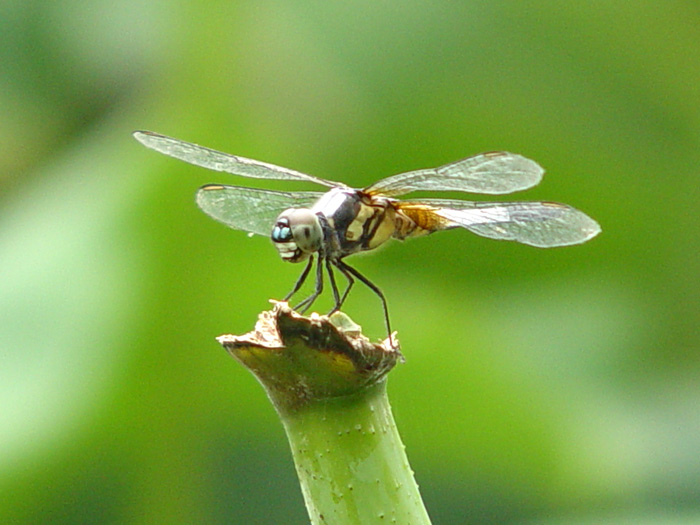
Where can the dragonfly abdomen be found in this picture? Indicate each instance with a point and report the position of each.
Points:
(416, 221)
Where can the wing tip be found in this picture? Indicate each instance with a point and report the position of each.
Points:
(585, 233)
(143, 132)
(592, 230)
(524, 172)
(139, 134)
(202, 196)
(147, 138)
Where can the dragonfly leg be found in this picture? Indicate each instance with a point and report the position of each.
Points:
(351, 281)
(334, 287)
(301, 279)
(351, 271)
(306, 303)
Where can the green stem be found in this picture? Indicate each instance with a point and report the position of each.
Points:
(351, 463)
(328, 386)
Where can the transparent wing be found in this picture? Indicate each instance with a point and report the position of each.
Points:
(218, 161)
(250, 209)
(541, 224)
(491, 173)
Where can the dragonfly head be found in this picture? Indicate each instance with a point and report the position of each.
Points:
(297, 234)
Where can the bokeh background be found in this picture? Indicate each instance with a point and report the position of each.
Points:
(541, 386)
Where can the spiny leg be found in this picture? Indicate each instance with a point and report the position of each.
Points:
(301, 279)
(334, 287)
(306, 303)
(349, 269)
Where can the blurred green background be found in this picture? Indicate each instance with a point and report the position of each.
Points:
(541, 386)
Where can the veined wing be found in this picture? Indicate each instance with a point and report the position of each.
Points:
(219, 161)
(250, 209)
(541, 224)
(491, 173)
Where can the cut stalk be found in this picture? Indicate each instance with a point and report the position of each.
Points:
(328, 385)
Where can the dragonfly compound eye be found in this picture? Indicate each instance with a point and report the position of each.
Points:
(281, 232)
(297, 234)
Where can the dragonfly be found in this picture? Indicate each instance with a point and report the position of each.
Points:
(331, 225)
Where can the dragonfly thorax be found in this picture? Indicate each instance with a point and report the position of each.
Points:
(297, 234)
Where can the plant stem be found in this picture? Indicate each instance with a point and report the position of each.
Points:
(328, 386)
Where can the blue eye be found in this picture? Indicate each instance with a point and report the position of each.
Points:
(281, 234)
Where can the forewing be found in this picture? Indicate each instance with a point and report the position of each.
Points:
(218, 161)
(541, 224)
(490, 173)
(250, 209)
